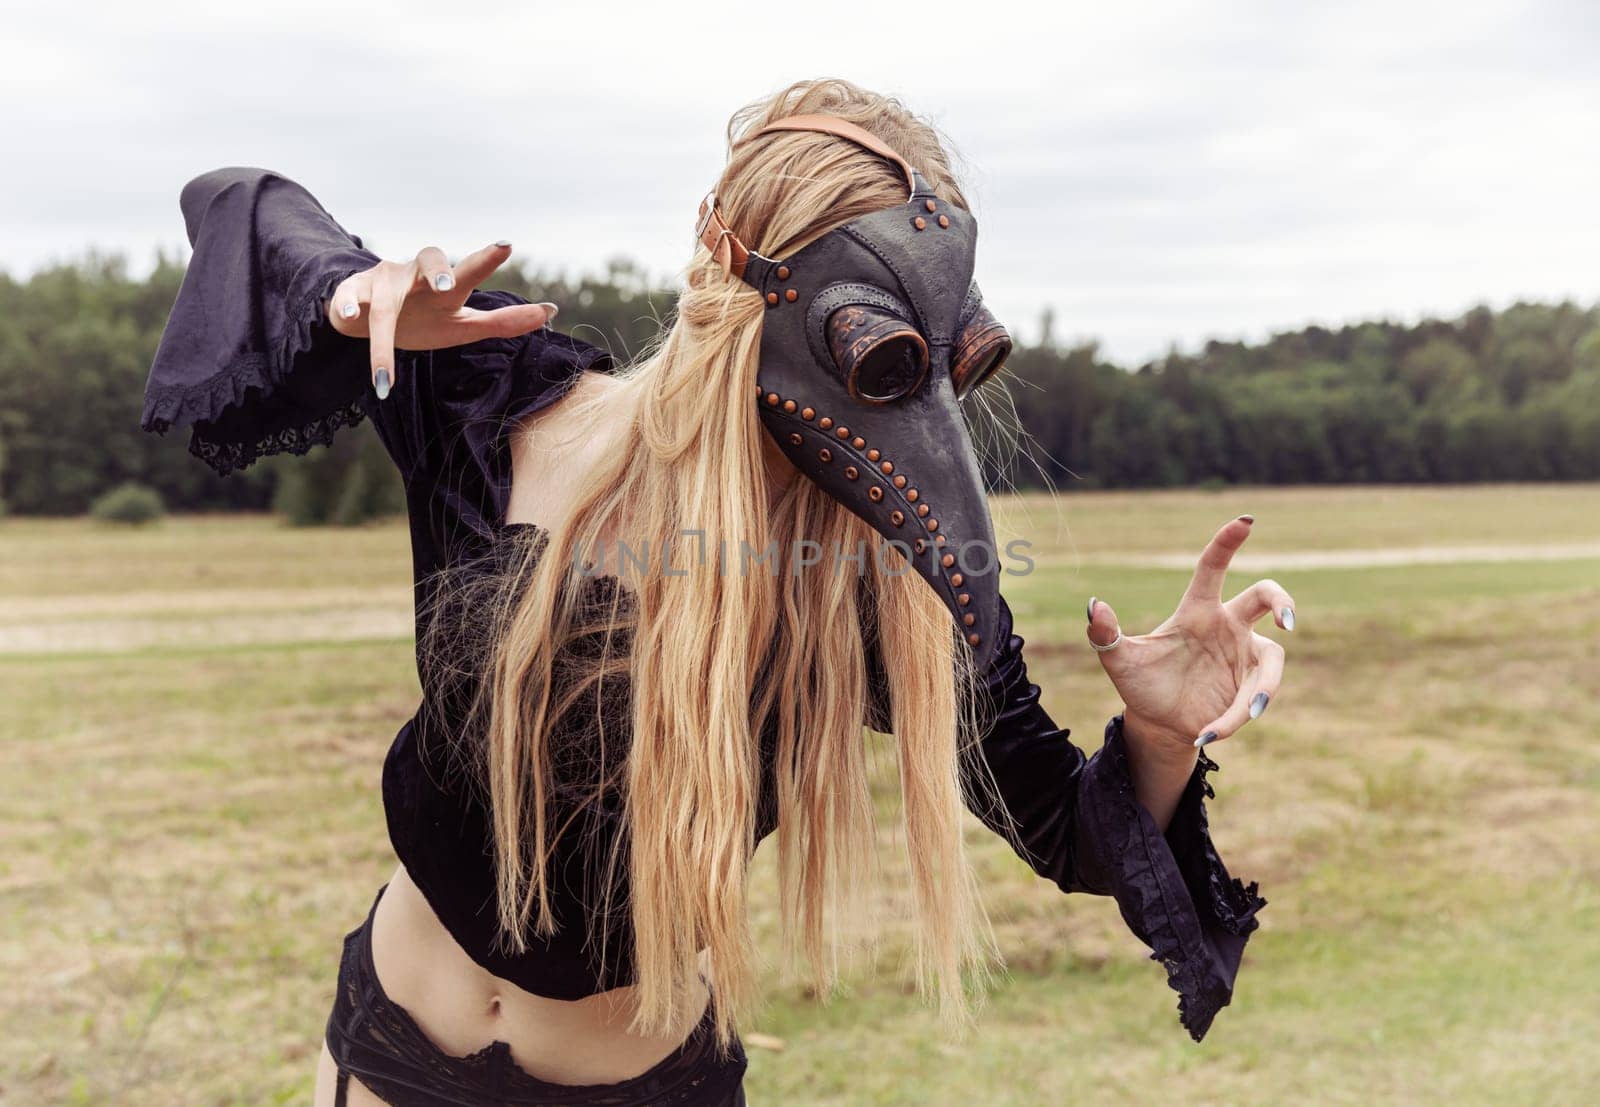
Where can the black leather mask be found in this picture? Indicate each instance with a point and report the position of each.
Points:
(872, 335)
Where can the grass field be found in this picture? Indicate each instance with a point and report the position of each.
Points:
(196, 715)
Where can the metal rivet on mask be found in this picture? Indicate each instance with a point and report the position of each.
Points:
(900, 482)
(956, 580)
(795, 439)
(887, 467)
(919, 223)
(772, 299)
(933, 525)
(772, 399)
(947, 560)
(968, 620)
(919, 545)
(860, 442)
(872, 454)
(783, 272)
(912, 494)
(964, 599)
(974, 640)
(824, 454)
(939, 541)
(843, 432)
(944, 221)
(923, 510)
(808, 414)
(789, 406)
(897, 517)
(875, 494)
(851, 472)
(931, 205)
(825, 423)
(791, 295)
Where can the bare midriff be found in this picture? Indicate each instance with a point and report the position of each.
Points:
(463, 1007)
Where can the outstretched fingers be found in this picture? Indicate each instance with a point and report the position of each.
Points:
(1255, 692)
(391, 284)
(1206, 584)
(432, 295)
(480, 265)
(506, 322)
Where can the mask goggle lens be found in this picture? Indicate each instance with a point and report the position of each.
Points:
(981, 349)
(881, 357)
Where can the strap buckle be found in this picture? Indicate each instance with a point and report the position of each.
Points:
(708, 211)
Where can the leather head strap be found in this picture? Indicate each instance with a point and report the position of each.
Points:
(833, 125)
(719, 238)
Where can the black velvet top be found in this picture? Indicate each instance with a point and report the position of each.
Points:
(249, 360)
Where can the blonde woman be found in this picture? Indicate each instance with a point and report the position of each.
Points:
(658, 603)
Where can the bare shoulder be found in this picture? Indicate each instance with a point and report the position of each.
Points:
(551, 449)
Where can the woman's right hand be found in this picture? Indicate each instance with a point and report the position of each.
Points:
(421, 305)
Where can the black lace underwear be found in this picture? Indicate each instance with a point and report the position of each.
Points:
(373, 1038)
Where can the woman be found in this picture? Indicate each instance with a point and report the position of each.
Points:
(606, 736)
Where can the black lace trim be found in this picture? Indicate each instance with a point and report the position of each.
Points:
(1233, 902)
(1170, 917)
(226, 457)
(185, 404)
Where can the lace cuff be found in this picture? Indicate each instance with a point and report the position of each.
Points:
(247, 357)
(1173, 889)
(252, 407)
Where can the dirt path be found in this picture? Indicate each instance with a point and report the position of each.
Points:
(88, 622)
(118, 621)
(1357, 559)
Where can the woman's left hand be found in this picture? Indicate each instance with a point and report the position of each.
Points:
(1204, 672)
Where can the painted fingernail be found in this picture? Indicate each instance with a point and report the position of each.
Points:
(1248, 518)
(444, 282)
(1258, 704)
(1288, 618)
(1091, 607)
(350, 311)
(380, 383)
(1205, 739)
(504, 243)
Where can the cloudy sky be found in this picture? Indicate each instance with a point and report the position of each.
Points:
(1156, 174)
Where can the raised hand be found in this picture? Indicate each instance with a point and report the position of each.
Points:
(1204, 672)
(421, 305)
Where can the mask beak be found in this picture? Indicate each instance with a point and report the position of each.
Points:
(909, 471)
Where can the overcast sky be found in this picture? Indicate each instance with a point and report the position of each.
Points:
(1156, 173)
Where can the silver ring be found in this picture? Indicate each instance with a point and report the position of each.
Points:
(1113, 644)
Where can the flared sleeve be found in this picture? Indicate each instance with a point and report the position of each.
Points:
(247, 358)
(250, 361)
(1076, 820)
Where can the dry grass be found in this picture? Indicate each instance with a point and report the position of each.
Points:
(190, 822)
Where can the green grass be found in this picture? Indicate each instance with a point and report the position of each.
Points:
(189, 824)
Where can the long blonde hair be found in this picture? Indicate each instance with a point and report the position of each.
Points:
(713, 658)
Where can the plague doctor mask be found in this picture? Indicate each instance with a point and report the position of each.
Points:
(874, 333)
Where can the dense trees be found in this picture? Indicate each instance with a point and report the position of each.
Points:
(1513, 395)
(1509, 395)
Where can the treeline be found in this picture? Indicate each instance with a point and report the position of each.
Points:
(76, 343)
(1508, 395)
